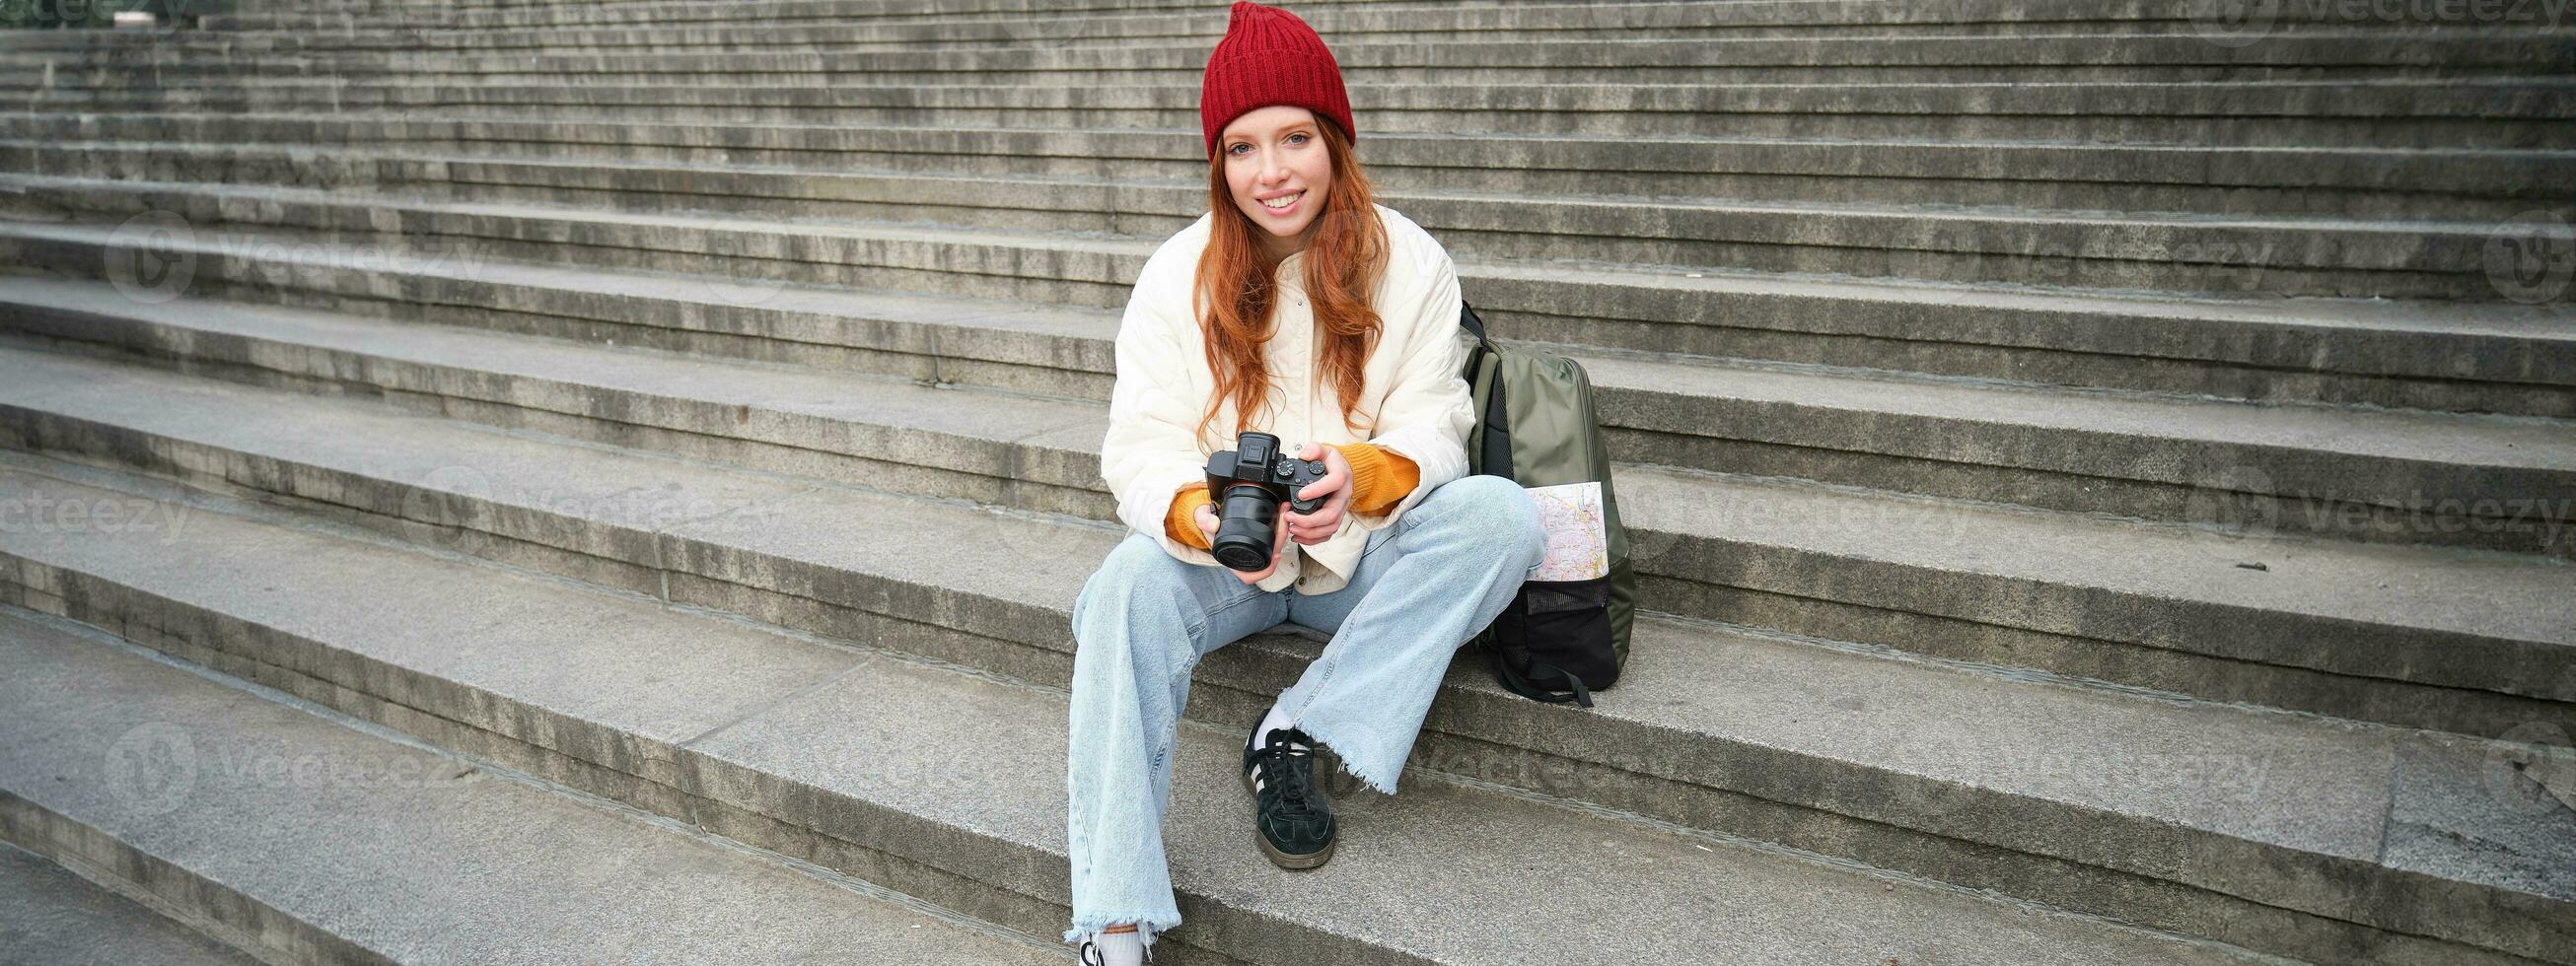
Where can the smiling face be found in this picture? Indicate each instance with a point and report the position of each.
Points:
(1279, 172)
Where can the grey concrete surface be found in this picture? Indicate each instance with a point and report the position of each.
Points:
(342, 843)
(48, 915)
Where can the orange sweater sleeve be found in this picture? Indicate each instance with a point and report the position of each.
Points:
(1380, 479)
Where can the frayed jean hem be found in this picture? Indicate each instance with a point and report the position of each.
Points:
(1351, 763)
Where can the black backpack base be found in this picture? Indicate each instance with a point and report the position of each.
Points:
(1552, 642)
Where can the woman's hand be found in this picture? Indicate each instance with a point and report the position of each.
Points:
(1207, 521)
(1310, 529)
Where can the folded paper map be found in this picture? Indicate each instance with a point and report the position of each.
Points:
(1578, 535)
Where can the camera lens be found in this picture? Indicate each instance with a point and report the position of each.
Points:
(1248, 521)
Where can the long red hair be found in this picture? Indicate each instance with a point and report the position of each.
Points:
(1345, 258)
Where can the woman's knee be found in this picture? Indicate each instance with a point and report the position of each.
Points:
(1136, 596)
(1499, 507)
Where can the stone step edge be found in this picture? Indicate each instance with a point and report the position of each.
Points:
(74, 911)
(206, 902)
(2476, 897)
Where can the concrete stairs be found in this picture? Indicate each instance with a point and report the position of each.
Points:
(299, 837)
(57, 917)
(2099, 494)
(825, 752)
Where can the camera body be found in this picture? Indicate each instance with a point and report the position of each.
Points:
(1247, 484)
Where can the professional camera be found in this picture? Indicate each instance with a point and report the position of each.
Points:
(1247, 484)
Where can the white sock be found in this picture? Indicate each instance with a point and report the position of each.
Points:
(1273, 721)
(1120, 948)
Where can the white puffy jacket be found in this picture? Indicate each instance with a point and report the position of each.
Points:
(1411, 381)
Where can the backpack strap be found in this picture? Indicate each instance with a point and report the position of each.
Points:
(1474, 326)
(1514, 682)
(1496, 441)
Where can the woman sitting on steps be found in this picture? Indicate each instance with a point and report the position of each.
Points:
(1328, 299)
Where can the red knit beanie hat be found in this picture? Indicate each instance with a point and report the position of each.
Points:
(1270, 57)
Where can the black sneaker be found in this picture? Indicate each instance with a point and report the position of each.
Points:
(1295, 822)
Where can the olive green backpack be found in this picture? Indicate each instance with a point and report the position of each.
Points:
(1562, 638)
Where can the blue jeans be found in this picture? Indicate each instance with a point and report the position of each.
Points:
(1424, 586)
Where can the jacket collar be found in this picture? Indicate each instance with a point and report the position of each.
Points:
(1291, 271)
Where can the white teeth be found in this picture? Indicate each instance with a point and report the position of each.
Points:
(1283, 202)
